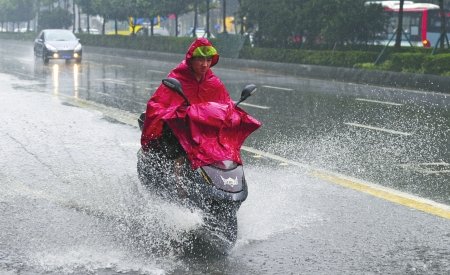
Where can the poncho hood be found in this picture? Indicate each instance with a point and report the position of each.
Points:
(201, 47)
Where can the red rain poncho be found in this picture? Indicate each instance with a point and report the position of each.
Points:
(209, 130)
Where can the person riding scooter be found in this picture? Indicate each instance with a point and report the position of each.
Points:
(192, 133)
(200, 84)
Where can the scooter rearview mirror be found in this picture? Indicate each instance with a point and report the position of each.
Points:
(141, 120)
(246, 92)
(175, 85)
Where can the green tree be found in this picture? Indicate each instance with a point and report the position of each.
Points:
(110, 10)
(24, 10)
(87, 7)
(136, 9)
(274, 22)
(330, 22)
(149, 9)
(341, 22)
(177, 8)
(113, 10)
(17, 11)
(57, 18)
(6, 8)
(244, 12)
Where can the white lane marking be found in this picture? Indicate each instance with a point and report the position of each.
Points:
(380, 102)
(120, 98)
(275, 157)
(115, 81)
(18, 84)
(442, 163)
(430, 172)
(115, 66)
(428, 168)
(156, 71)
(277, 88)
(378, 129)
(111, 80)
(22, 74)
(255, 106)
(119, 115)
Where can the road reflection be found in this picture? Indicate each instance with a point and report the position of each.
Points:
(60, 78)
(76, 81)
(55, 78)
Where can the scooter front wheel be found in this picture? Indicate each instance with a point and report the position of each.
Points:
(231, 227)
(224, 222)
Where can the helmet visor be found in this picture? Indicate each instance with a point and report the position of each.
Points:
(204, 51)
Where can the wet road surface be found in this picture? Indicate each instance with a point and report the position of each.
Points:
(72, 203)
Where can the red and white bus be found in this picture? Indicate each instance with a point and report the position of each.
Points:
(421, 22)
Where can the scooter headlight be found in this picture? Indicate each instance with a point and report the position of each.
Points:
(225, 164)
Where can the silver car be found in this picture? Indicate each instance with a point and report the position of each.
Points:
(57, 44)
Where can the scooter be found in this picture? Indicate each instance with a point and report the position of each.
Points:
(217, 189)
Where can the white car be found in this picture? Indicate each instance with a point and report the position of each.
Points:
(57, 44)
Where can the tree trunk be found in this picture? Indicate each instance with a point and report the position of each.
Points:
(241, 17)
(194, 30)
(399, 31)
(208, 33)
(152, 25)
(224, 16)
(79, 20)
(176, 25)
(74, 16)
(88, 24)
(133, 25)
(36, 21)
(104, 24)
(443, 35)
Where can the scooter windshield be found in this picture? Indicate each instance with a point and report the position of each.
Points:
(210, 132)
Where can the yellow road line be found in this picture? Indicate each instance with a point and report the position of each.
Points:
(388, 194)
(376, 190)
